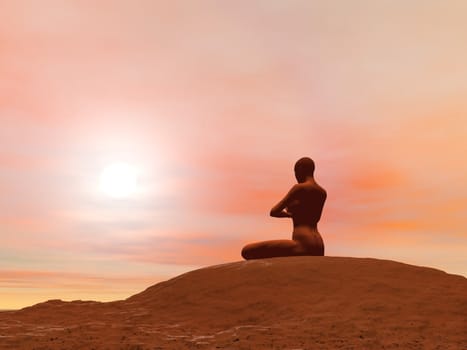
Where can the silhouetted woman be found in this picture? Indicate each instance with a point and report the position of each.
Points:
(304, 204)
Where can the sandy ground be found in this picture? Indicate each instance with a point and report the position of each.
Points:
(279, 303)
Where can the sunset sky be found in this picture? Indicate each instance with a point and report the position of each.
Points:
(211, 103)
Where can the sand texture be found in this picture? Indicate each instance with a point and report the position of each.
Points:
(308, 302)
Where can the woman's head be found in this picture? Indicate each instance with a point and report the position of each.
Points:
(304, 167)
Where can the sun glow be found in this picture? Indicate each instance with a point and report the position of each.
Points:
(119, 180)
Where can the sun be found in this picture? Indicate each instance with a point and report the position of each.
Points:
(119, 180)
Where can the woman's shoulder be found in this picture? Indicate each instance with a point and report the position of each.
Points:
(314, 188)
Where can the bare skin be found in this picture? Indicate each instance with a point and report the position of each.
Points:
(304, 204)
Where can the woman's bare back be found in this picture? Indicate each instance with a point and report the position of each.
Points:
(306, 211)
(307, 205)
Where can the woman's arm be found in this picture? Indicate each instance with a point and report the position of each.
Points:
(278, 210)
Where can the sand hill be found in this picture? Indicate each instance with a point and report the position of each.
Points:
(279, 303)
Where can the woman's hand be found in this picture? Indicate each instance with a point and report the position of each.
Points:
(282, 214)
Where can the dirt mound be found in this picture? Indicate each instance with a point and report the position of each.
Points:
(290, 302)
